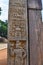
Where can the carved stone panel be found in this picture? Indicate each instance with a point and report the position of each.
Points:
(18, 33)
(17, 19)
(18, 52)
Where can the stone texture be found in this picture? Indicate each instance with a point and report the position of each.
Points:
(34, 21)
(35, 34)
(18, 33)
(34, 4)
(17, 19)
(41, 41)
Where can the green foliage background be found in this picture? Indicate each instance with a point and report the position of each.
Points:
(3, 29)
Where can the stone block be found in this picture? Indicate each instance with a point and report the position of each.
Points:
(35, 32)
(34, 4)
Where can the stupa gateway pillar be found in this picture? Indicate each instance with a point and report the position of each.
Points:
(34, 20)
(24, 32)
(18, 33)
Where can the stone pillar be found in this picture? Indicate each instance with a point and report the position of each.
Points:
(34, 20)
(17, 33)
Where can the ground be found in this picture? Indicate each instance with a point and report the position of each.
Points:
(3, 57)
(3, 54)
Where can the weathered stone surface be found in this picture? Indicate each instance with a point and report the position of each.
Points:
(41, 41)
(17, 19)
(35, 32)
(18, 33)
(18, 52)
(34, 20)
(34, 4)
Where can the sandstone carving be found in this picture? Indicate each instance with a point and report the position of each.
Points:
(18, 32)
